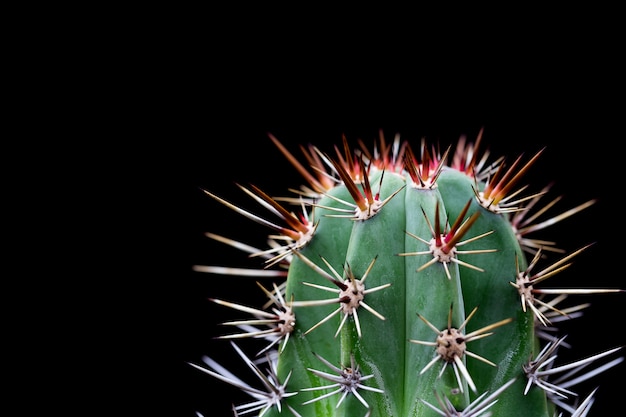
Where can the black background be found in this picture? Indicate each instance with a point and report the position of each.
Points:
(119, 117)
(205, 112)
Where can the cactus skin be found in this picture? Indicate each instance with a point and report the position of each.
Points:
(373, 225)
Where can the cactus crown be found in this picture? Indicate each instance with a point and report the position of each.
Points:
(407, 284)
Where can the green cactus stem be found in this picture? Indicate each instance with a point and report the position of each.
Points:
(406, 284)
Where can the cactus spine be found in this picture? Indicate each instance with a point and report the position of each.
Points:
(412, 289)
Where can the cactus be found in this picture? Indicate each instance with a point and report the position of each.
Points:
(406, 281)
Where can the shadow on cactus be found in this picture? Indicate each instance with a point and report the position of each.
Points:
(406, 282)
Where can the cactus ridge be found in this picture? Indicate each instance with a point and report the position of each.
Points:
(428, 242)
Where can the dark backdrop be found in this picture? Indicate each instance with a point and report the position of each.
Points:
(135, 111)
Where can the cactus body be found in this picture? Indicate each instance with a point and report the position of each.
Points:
(402, 287)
